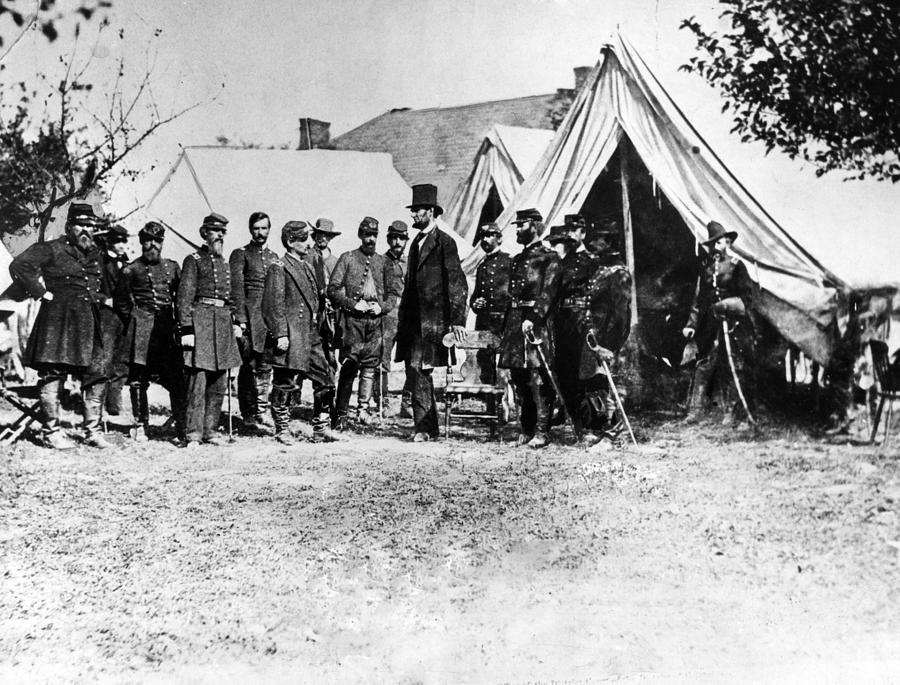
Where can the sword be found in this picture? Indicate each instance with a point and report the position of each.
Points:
(230, 434)
(592, 343)
(734, 374)
(531, 339)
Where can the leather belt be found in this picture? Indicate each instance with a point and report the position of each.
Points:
(518, 304)
(575, 303)
(211, 301)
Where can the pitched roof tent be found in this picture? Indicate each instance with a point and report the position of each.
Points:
(624, 98)
(505, 159)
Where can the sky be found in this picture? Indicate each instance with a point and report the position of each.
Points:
(258, 66)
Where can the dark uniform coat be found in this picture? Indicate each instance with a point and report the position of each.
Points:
(570, 313)
(289, 307)
(492, 283)
(395, 268)
(434, 299)
(722, 278)
(145, 300)
(67, 328)
(111, 324)
(205, 308)
(249, 266)
(533, 282)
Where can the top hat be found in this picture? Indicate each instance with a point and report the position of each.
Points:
(398, 228)
(558, 234)
(716, 231)
(153, 230)
(82, 213)
(325, 226)
(294, 229)
(425, 195)
(368, 225)
(214, 221)
(531, 214)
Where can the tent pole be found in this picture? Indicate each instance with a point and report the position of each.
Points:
(629, 235)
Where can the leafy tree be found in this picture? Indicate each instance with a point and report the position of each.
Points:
(43, 15)
(819, 79)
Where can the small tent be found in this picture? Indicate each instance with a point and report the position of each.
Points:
(504, 160)
(625, 150)
(286, 184)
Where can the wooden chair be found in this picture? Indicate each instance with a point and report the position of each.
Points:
(465, 382)
(28, 414)
(886, 387)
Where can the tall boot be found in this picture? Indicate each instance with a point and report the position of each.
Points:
(93, 398)
(364, 394)
(281, 415)
(51, 434)
(263, 379)
(211, 415)
(697, 398)
(405, 405)
(380, 391)
(344, 390)
(543, 401)
(321, 423)
(140, 412)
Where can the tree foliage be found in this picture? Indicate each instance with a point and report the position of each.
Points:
(45, 16)
(819, 79)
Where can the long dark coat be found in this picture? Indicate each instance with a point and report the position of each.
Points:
(67, 328)
(215, 347)
(289, 307)
(145, 299)
(396, 270)
(721, 279)
(570, 320)
(492, 283)
(533, 282)
(434, 299)
(249, 266)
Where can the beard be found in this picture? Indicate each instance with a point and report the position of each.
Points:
(151, 255)
(420, 223)
(217, 247)
(525, 237)
(368, 248)
(83, 240)
(397, 252)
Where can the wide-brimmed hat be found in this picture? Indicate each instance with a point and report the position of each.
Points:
(83, 214)
(153, 230)
(368, 225)
(425, 195)
(602, 227)
(715, 230)
(214, 221)
(294, 229)
(398, 228)
(558, 234)
(325, 226)
(531, 214)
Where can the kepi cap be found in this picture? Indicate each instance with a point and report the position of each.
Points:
(294, 229)
(398, 228)
(152, 229)
(82, 213)
(215, 221)
(531, 214)
(368, 225)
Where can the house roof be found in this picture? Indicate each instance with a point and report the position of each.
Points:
(437, 145)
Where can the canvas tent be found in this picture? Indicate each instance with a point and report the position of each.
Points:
(286, 184)
(504, 160)
(624, 149)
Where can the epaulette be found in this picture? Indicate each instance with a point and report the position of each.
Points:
(735, 260)
(196, 256)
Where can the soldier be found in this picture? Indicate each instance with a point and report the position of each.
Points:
(362, 290)
(490, 297)
(145, 299)
(320, 257)
(724, 295)
(395, 264)
(290, 308)
(533, 281)
(66, 274)
(208, 331)
(113, 249)
(249, 265)
(433, 304)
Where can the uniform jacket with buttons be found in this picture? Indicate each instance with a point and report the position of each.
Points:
(144, 299)
(67, 328)
(322, 265)
(249, 266)
(289, 306)
(721, 277)
(205, 276)
(492, 284)
(396, 273)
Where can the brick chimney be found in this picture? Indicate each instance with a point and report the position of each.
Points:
(581, 75)
(314, 134)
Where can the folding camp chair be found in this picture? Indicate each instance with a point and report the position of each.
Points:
(887, 388)
(29, 413)
(465, 382)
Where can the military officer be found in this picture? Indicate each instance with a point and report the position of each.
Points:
(208, 330)
(395, 265)
(362, 290)
(724, 295)
(249, 265)
(290, 307)
(144, 299)
(66, 274)
(113, 245)
(320, 257)
(533, 281)
(490, 296)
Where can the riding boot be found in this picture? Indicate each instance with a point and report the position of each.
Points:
(263, 379)
(139, 411)
(380, 391)
(51, 434)
(364, 394)
(281, 414)
(696, 399)
(344, 390)
(93, 397)
(405, 405)
(212, 413)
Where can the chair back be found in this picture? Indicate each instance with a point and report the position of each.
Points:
(881, 365)
(474, 340)
(469, 371)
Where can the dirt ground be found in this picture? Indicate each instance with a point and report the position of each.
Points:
(706, 555)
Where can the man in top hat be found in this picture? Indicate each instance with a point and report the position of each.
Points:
(395, 266)
(725, 293)
(362, 290)
(533, 281)
(290, 307)
(433, 304)
(66, 274)
(145, 301)
(490, 297)
(249, 265)
(208, 330)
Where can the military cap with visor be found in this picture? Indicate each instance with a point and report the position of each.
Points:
(82, 213)
(399, 229)
(368, 225)
(294, 230)
(152, 230)
(214, 221)
(525, 215)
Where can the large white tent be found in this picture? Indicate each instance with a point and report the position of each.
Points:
(286, 184)
(622, 98)
(505, 158)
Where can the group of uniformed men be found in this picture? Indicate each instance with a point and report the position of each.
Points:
(558, 311)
